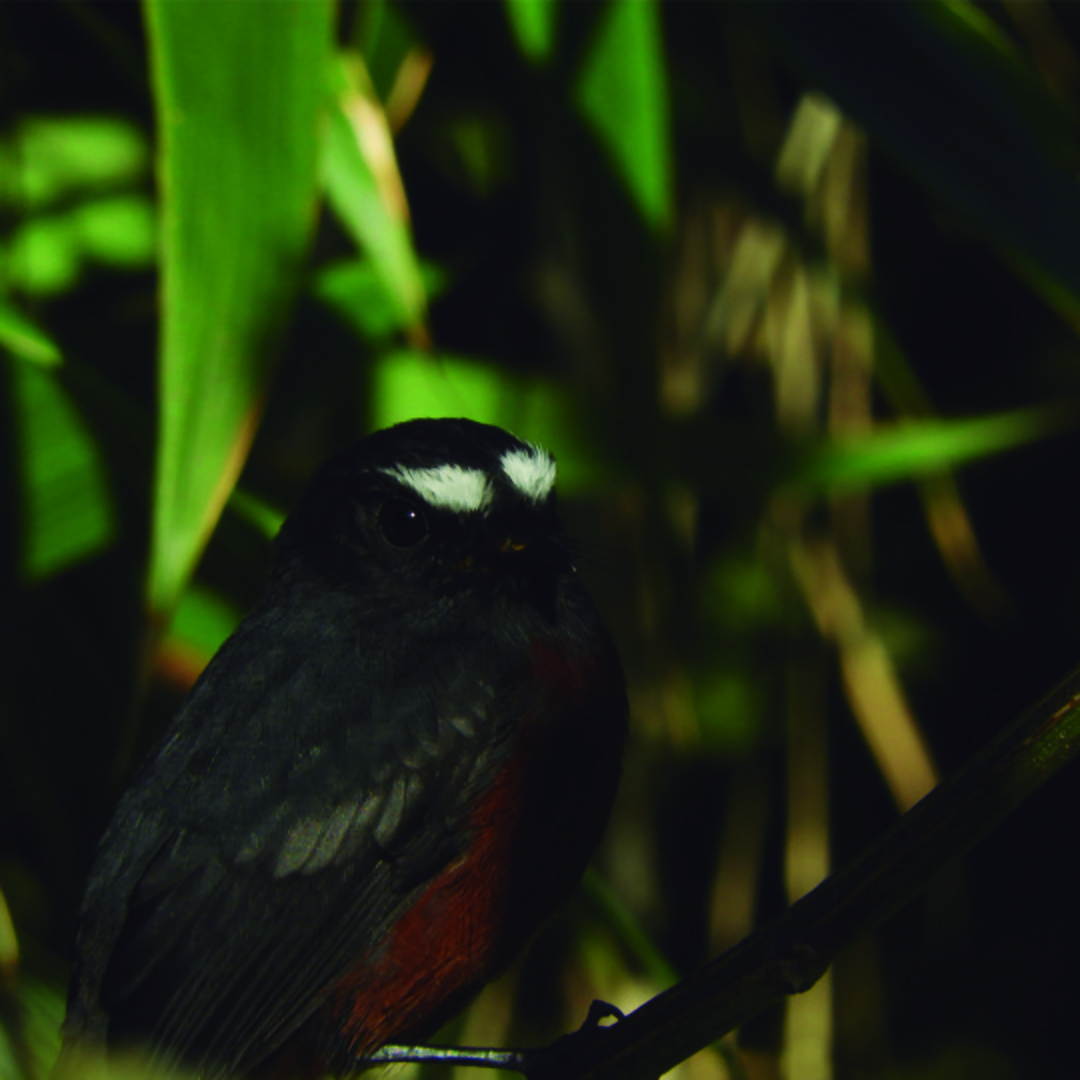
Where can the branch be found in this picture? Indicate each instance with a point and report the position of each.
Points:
(791, 954)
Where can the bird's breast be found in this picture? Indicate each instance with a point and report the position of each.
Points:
(531, 833)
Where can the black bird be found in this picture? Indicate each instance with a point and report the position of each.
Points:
(381, 787)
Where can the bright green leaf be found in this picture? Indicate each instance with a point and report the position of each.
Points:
(239, 89)
(47, 251)
(364, 188)
(533, 24)
(118, 231)
(24, 339)
(44, 255)
(919, 448)
(67, 508)
(356, 291)
(622, 92)
(408, 384)
(53, 158)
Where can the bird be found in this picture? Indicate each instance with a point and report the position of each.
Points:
(381, 787)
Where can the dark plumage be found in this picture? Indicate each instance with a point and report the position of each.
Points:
(380, 787)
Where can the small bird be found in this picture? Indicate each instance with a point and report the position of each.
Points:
(380, 788)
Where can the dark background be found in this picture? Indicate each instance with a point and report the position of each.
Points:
(553, 275)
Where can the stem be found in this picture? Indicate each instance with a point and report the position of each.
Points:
(791, 954)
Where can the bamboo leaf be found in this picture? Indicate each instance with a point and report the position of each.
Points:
(354, 289)
(923, 447)
(364, 188)
(533, 25)
(67, 512)
(53, 159)
(256, 512)
(239, 90)
(203, 620)
(408, 383)
(622, 92)
(25, 340)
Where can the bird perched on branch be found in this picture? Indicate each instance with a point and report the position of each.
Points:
(380, 788)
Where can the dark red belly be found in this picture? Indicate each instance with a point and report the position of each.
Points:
(448, 944)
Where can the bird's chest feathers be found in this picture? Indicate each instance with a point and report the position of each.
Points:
(531, 829)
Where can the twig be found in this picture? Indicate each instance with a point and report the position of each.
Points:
(791, 954)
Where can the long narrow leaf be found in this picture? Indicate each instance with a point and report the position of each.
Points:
(24, 339)
(67, 512)
(239, 89)
(921, 448)
(364, 188)
(622, 92)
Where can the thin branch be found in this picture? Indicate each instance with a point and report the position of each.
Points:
(477, 1057)
(790, 955)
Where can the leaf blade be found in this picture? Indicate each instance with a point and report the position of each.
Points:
(237, 165)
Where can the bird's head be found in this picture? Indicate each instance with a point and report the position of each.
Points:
(433, 514)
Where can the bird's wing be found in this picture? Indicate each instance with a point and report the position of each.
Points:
(288, 819)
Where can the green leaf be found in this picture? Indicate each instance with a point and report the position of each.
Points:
(67, 508)
(356, 291)
(384, 37)
(622, 92)
(364, 188)
(40, 1008)
(57, 158)
(9, 943)
(47, 250)
(264, 517)
(204, 620)
(920, 448)
(45, 255)
(407, 384)
(533, 24)
(25, 340)
(239, 89)
(118, 232)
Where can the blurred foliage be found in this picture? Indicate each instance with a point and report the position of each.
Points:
(764, 277)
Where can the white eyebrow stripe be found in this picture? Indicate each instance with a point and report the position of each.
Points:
(449, 487)
(531, 471)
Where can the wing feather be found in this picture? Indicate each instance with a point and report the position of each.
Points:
(257, 875)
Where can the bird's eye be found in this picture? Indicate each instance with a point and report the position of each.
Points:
(401, 523)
